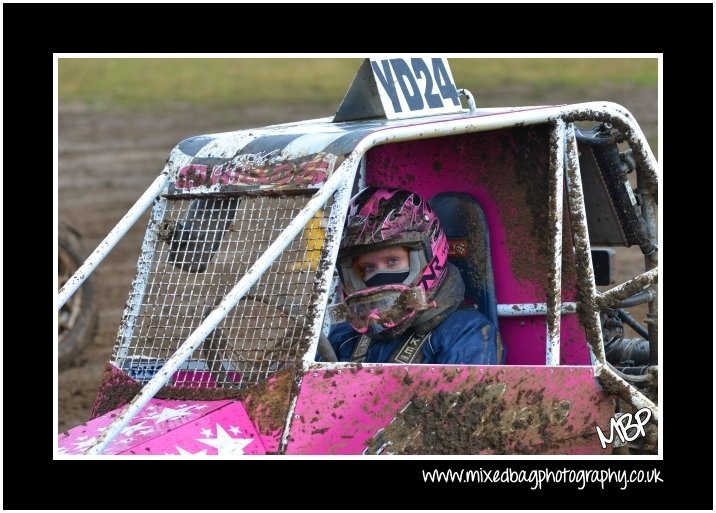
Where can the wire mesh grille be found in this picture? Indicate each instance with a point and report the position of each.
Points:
(192, 258)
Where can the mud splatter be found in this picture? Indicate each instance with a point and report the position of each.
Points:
(267, 402)
(476, 420)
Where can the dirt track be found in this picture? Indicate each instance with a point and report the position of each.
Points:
(108, 158)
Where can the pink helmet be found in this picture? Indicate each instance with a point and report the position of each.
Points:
(381, 217)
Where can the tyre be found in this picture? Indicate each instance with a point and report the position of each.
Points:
(77, 318)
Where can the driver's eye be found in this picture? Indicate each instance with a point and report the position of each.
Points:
(366, 268)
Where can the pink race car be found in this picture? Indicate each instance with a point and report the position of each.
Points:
(222, 345)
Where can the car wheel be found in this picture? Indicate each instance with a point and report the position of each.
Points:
(77, 318)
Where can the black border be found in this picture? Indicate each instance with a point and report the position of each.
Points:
(33, 32)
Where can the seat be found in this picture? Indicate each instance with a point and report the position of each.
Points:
(465, 227)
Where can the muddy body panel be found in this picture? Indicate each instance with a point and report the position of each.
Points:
(375, 409)
(441, 409)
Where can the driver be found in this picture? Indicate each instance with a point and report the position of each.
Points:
(402, 297)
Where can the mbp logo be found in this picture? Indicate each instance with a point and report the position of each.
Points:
(627, 427)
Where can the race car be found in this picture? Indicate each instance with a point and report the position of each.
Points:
(222, 345)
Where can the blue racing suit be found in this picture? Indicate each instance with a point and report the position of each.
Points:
(466, 337)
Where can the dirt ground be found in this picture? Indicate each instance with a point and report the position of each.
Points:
(108, 158)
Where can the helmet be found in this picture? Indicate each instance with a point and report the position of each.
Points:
(382, 217)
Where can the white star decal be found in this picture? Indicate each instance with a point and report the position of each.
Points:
(168, 414)
(206, 432)
(129, 430)
(147, 431)
(82, 437)
(187, 453)
(225, 444)
(200, 406)
(234, 430)
(80, 446)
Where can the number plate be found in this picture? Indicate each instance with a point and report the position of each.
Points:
(415, 87)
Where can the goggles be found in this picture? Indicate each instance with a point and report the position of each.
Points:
(380, 308)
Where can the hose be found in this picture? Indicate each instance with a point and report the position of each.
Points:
(633, 324)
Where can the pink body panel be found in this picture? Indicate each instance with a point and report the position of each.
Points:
(173, 427)
(118, 388)
(536, 410)
(530, 410)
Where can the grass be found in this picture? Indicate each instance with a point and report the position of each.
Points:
(567, 72)
(146, 83)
